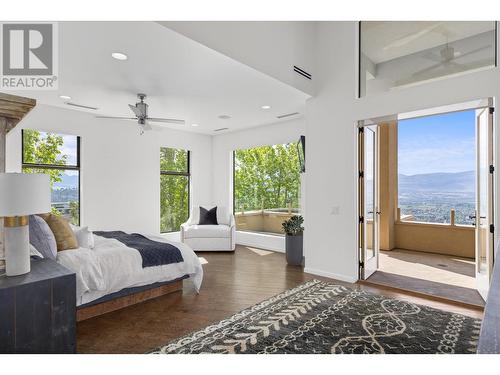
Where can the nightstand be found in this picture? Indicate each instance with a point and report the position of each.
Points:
(38, 310)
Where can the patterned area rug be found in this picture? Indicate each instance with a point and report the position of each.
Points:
(319, 317)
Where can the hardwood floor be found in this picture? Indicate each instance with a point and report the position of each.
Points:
(232, 282)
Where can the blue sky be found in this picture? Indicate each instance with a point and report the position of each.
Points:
(442, 143)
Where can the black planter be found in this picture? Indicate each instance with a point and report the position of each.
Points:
(294, 249)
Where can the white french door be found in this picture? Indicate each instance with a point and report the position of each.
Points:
(484, 199)
(368, 201)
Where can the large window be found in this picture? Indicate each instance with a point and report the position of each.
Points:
(174, 188)
(402, 53)
(57, 155)
(266, 187)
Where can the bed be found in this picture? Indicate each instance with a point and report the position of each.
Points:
(113, 275)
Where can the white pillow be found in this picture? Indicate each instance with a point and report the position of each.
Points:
(223, 216)
(84, 237)
(195, 215)
(35, 252)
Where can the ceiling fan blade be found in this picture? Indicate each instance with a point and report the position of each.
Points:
(472, 52)
(117, 118)
(146, 126)
(411, 37)
(136, 110)
(432, 57)
(429, 68)
(166, 120)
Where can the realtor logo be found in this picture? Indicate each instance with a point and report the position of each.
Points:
(29, 56)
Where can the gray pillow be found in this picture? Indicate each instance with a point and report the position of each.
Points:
(42, 238)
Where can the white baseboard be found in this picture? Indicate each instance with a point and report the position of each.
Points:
(336, 276)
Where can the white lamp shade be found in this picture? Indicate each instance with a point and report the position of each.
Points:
(24, 194)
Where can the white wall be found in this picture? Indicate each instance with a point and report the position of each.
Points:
(273, 48)
(330, 240)
(222, 161)
(119, 168)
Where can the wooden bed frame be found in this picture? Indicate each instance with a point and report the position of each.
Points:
(87, 312)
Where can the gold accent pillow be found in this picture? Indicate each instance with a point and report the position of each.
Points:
(65, 238)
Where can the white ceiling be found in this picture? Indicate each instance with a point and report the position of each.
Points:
(182, 78)
(387, 40)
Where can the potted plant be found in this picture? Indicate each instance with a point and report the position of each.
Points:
(294, 235)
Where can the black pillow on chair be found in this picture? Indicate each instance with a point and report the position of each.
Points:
(208, 217)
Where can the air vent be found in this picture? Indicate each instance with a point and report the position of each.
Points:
(288, 115)
(302, 72)
(82, 106)
(220, 129)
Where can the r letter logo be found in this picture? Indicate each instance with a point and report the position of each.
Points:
(29, 56)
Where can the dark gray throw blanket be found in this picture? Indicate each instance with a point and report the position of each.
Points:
(153, 253)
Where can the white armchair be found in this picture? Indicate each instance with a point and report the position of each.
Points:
(220, 237)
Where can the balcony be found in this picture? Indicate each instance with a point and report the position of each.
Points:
(265, 220)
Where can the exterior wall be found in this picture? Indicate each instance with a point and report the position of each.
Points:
(436, 238)
(262, 221)
(388, 167)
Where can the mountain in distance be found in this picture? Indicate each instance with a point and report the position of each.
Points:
(463, 182)
(68, 182)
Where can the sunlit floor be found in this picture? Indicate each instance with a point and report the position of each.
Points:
(439, 275)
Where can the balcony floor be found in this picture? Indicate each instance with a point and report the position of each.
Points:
(433, 274)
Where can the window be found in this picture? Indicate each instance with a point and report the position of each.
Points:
(174, 188)
(57, 155)
(266, 187)
(402, 53)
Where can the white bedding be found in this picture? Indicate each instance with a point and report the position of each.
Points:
(111, 266)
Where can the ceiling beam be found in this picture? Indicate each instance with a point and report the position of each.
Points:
(13, 108)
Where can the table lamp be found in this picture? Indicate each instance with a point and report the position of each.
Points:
(21, 195)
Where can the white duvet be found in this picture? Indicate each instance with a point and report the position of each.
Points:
(111, 266)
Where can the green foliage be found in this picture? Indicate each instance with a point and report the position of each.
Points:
(293, 226)
(267, 177)
(174, 189)
(74, 210)
(38, 149)
(43, 150)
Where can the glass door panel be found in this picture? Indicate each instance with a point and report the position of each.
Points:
(484, 200)
(370, 248)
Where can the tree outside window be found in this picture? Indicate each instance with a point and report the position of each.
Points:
(174, 188)
(58, 156)
(266, 187)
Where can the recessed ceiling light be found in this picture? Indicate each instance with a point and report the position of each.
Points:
(194, 124)
(119, 56)
(65, 97)
(224, 117)
(266, 107)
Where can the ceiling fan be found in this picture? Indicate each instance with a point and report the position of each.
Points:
(140, 110)
(446, 59)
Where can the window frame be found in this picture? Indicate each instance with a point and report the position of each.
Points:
(187, 174)
(61, 167)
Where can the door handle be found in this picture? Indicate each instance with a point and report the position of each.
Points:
(378, 212)
(472, 217)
